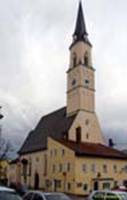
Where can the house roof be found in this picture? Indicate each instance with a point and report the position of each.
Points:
(55, 124)
(93, 150)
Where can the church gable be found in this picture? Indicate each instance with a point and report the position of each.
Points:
(90, 130)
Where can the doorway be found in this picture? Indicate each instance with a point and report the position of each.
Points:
(36, 181)
(96, 185)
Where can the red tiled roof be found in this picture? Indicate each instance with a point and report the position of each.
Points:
(93, 150)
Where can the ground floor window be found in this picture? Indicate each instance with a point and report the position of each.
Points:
(85, 186)
(115, 184)
(79, 185)
(125, 183)
(69, 186)
(58, 183)
(106, 185)
(96, 185)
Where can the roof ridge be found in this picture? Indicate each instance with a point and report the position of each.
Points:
(73, 145)
(53, 112)
(112, 148)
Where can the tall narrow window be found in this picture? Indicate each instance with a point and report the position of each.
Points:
(115, 168)
(86, 60)
(24, 169)
(45, 165)
(93, 168)
(53, 168)
(78, 134)
(68, 167)
(84, 168)
(105, 169)
(74, 59)
(30, 166)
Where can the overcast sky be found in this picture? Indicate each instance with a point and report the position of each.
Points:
(34, 58)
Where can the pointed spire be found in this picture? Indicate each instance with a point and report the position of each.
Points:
(80, 32)
(80, 29)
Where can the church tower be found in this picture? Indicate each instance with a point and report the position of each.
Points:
(81, 83)
(81, 87)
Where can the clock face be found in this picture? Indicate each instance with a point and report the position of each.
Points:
(86, 81)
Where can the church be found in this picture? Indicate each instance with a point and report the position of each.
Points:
(66, 151)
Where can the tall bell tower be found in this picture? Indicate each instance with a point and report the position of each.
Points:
(80, 76)
(81, 86)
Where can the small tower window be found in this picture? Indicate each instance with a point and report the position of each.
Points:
(30, 166)
(74, 60)
(86, 81)
(78, 134)
(73, 82)
(87, 136)
(86, 60)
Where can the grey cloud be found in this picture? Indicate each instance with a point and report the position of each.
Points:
(34, 56)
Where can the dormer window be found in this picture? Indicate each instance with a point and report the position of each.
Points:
(86, 60)
(74, 60)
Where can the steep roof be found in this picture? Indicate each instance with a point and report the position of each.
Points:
(80, 29)
(55, 124)
(93, 150)
(80, 33)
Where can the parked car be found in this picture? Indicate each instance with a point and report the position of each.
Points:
(108, 195)
(21, 189)
(121, 188)
(8, 194)
(37, 195)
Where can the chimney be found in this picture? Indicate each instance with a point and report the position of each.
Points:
(111, 143)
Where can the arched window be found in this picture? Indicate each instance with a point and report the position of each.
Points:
(78, 134)
(74, 59)
(86, 60)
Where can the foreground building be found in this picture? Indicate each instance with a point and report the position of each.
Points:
(66, 151)
(3, 171)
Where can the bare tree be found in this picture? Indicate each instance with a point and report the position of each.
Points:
(5, 149)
